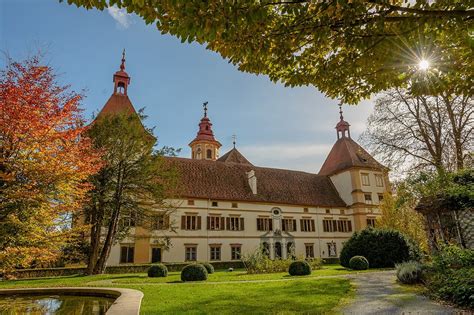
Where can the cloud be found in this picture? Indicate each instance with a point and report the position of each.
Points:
(121, 16)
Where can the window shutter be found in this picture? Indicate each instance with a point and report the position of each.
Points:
(349, 224)
(334, 226)
(208, 222)
(241, 224)
(301, 225)
(294, 225)
(183, 222)
(227, 223)
(222, 226)
(312, 226)
(198, 222)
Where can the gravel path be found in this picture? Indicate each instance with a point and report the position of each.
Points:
(378, 293)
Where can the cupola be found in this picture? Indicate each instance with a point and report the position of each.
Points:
(205, 146)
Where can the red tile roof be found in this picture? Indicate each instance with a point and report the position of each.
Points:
(234, 156)
(203, 179)
(346, 153)
(117, 104)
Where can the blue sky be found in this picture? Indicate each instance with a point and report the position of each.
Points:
(275, 126)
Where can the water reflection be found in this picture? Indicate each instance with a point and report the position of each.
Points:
(54, 304)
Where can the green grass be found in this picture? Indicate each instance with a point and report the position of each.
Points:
(224, 292)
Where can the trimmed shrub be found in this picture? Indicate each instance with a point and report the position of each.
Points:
(299, 268)
(158, 270)
(194, 272)
(409, 272)
(359, 263)
(209, 267)
(382, 248)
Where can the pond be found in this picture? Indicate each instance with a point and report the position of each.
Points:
(54, 304)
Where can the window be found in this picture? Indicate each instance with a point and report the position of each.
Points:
(328, 225)
(209, 154)
(235, 205)
(371, 222)
(305, 210)
(190, 202)
(288, 225)
(160, 222)
(215, 222)
(126, 254)
(235, 224)
(365, 179)
(190, 222)
(342, 211)
(368, 198)
(307, 225)
(332, 252)
(380, 198)
(309, 250)
(344, 226)
(235, 252)
(190, 253)
(215, 252)
(128, 219)
(378, 180)
(215, 204)
(328, 211)
(264, 224)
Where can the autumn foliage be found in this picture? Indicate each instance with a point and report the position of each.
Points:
(45, 160)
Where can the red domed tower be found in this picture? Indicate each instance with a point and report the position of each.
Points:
(205, 146)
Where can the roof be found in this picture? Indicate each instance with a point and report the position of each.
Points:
(117, 104)
(346, 153)
(234, 156)
(204, 179)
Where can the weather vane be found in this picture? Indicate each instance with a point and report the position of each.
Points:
(204, 105)
(234, 139)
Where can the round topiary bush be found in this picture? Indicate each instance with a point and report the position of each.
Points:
(194, 272)
(359, 263)
(409, 272)
(299, 268)
(209, 267)
(158, 270)
(382, 248)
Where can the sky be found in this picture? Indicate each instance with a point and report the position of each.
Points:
(276, 126)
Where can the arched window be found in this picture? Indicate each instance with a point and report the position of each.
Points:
(209, 153)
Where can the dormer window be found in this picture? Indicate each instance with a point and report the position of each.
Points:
(209, 154)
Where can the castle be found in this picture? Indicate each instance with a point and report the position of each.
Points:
(228, 206)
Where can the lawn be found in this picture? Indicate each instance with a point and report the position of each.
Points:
(221, 293)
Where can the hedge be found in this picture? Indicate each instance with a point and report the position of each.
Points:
(382, 248)
(125, 268)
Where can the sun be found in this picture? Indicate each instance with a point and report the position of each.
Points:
(423, 64)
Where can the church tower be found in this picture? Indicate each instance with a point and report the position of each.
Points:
(205, 146)
(360, 180)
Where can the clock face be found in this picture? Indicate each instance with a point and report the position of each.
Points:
(276, 211)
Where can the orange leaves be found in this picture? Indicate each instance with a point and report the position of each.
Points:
(45, 160)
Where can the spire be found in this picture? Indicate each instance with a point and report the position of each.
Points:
(342, 126)
(122, 66)
(204, 105)
(121, 78)
(205, 146)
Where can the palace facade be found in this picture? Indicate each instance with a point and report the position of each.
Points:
(229, 206)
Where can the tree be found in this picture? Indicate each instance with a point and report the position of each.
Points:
(421, 132)
(131, 187)
(348, 49)
(398, 213)
(45, 159)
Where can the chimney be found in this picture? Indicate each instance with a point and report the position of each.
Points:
(252, 181)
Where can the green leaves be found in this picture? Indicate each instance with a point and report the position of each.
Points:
(348, 49)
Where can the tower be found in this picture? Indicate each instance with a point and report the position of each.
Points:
(205, 146)
(359, 179)
(121, 78)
